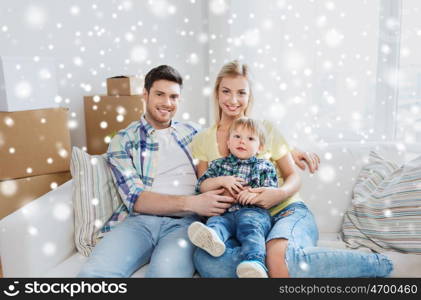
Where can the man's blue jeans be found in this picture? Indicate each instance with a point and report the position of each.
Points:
(250, 225)
(161, 241)
(303, 258)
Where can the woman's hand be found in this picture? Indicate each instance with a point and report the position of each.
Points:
(232, 184)
(301, 159)
(245, 197)
(267, 197)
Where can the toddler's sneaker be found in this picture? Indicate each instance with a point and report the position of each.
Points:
(251, 269)
(206, 238)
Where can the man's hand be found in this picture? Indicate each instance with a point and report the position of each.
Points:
(232, 184)
(210, 203)
(301, 159)
(245, 197)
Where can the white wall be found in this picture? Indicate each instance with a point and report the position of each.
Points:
(409, 112)
(92, 40)
(314, 62)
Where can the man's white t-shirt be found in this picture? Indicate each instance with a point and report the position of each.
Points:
(175, 174)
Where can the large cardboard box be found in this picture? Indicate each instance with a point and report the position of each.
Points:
(106, 115)
(124, 86)
(16, 193)
(27, 83)
(34, 142)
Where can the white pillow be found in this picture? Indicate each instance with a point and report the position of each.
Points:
(95, 197)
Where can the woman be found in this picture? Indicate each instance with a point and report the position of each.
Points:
(291, 244)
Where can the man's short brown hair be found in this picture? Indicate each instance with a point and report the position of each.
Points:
(162, 72)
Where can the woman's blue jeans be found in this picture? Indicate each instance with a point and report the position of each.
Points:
(304, 259)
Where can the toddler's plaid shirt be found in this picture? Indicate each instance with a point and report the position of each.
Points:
(255, 171)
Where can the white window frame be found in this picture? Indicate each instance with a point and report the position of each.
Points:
(387, 87)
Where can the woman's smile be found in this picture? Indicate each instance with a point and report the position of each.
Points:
(232, 108)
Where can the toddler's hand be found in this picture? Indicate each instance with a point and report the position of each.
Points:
(232, 184)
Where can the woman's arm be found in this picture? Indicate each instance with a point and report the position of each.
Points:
(269, 197)
(202, 166)
(210, 184)
(292, 180)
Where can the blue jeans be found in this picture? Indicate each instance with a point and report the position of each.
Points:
(250, 225)
(304, 259)
(161, 241)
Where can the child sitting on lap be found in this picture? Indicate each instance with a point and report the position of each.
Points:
(248, 223)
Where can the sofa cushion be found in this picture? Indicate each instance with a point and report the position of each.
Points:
(371, 175)
(328, 192)
(386, 208)
(72, 266)
(94, 197)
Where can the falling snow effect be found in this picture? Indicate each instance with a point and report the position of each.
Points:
(35, 17)
(49, 249)
(23, 89)
(314, 75)
(61, 212)
(8, 188)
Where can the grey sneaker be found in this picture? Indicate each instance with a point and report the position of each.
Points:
(206, 238)
(251, 269)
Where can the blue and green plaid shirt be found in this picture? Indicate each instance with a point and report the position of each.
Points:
(255, 171)
(132, 158)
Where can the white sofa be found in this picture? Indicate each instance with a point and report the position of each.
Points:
(37, 240)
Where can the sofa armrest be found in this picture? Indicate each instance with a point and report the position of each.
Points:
(39, 235)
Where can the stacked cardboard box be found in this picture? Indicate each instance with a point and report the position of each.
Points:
(124, 86)
(106, 115)
(34, 155)
(34, 140)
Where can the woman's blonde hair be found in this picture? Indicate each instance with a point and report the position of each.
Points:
(232, 69)
(252, 125)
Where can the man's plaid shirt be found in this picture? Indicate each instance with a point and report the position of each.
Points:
(132, 156)
(255, 171)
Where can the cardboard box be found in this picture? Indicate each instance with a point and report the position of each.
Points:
(16, 193)
(106, 115)
(27, 83)
(34, 142)
(124, 86)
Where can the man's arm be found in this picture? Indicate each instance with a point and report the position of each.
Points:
(126, 178)
(301, 159)
(206, 204)
(132, 191)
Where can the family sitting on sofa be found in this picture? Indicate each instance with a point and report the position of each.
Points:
(249, 186)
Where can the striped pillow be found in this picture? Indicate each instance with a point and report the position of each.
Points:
(372, 174)
(386, 210)
(94, 197)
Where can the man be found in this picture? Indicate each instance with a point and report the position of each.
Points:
(153, 169)
(154, 172)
